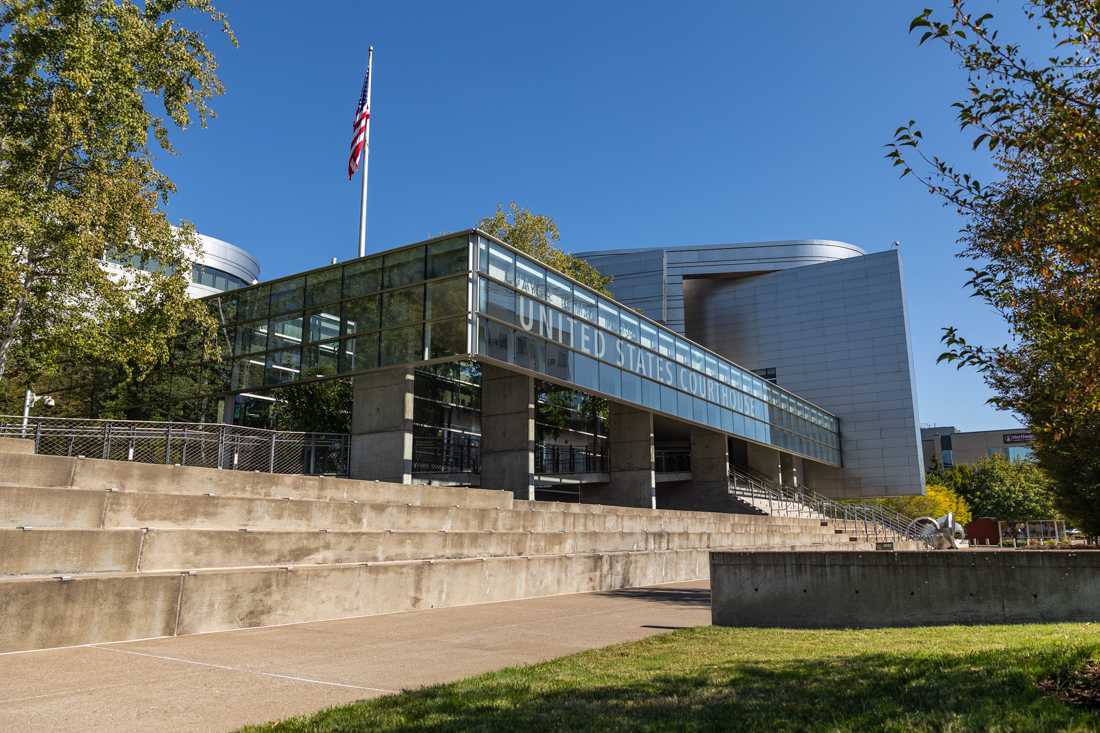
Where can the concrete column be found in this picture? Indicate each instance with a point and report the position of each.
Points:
(789, 468)
(765, 461)
(710, 473)
(630, 461)
(507, 431)
(382, 426)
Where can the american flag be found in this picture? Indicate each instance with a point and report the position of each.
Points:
(362, 117)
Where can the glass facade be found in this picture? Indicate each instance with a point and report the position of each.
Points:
(544, 323)
(466, 296)
(399, 308)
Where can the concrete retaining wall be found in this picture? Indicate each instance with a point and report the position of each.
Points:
(843, 589)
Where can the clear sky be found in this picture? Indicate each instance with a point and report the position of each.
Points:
(631, 124)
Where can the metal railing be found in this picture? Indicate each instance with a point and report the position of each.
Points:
(672, 461)
(875, 523)
(208, 445)
(458, 454)
(569, 459)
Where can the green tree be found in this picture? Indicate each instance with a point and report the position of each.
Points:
(1009, 490)
(537, 235)
(1033, 232)
(89, 90)
(315, 407)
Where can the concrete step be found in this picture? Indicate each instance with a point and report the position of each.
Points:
(84, 609)
(97, 475)
(17, 445)
(23, 506)
(76, 551)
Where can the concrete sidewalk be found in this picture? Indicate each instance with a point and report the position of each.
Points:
(221, 681)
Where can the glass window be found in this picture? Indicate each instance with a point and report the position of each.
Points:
(285, 331)
(727, 421)
(402, 345)
(360, 315)
(493, 339)
(502, 264)
(651, 394)
(447, 298)
(669, 399)
(447, 338)
(362, 277)
(559, 292)
(449, 257)
(251, 337)
(586, 372)
(284, 366)
(224, 308)
(323, 287)
(322, 325)
(498, 301)
(254, 303)
(609, 316)
(482, 255)
(584, 305)
(667, 345)
(648, 336)
(359, 353)
(632, 387)
(321, 359)
(712, 366)
(697, 359)
(699, 410)
(403, 268)
(586, 338)
(530, 278)
(628, 327)
(610, 380)
(683, 352)
(402, 306)
(288, 295)
(530, 352)
(250, 372)
(685, 405)
(714, 415)
(1017, 453)
(559, 362)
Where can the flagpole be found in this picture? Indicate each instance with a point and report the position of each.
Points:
(366, 152)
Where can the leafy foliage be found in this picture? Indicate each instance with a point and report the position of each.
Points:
(315, 407)
(80, 83)
(537, 235)
(1033, 234)
(938, 501)
(1002, 489)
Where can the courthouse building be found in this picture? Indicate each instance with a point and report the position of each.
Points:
(473, 363)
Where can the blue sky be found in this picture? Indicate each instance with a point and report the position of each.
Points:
(630, 124)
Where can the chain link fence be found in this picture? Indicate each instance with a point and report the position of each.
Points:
(208, 445)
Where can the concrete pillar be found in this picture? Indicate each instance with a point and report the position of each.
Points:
(765, 462)
(507, 431)
(382, 426)
(789, 468)
(630, 461)
(710, 472)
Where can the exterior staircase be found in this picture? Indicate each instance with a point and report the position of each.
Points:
(96, 550)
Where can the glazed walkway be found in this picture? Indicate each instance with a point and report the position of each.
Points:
(220, 681)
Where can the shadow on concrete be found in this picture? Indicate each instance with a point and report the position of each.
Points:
(690, 597)
(705, 689)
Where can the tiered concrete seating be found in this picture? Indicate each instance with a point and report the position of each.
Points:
(94, 550)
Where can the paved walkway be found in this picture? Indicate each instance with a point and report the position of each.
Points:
(220, 681)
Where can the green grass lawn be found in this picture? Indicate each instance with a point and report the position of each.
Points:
(943, 679)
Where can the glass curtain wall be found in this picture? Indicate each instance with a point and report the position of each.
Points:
(542, 322)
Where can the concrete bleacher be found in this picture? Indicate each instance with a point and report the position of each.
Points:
(94, 550)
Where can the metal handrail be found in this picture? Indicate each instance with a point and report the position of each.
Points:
(872, 521)
(209, 445)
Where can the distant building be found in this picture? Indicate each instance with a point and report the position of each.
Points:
(220, 266)
(945, 446)
(821, 318)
